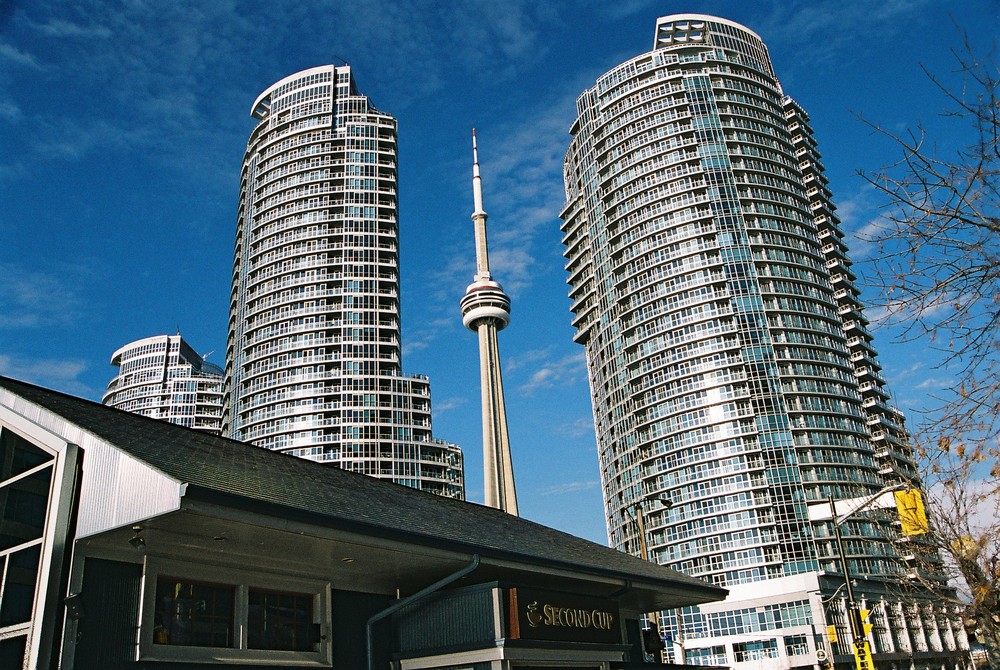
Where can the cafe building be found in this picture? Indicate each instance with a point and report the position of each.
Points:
(130, 543)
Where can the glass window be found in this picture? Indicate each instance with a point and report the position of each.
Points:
(707, 656)
(796, 645)
(17, 455)
(12, 651)
(217, 614)
(21, 575)
(280, 621)
(755, 650)
(25, 503)
(194, 614)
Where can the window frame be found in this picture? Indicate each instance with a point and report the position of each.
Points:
(41, 628)
(155, 567)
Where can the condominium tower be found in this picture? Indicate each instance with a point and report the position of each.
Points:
(313, 355)
(732, 375)
(164, 378)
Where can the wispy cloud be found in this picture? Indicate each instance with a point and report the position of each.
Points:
(33, 298)
(514, 266)
(10, 112)
(624, 8)
(51, 373)
(581, 427)
(934, 383)
(415, 345)
(523, 359)
(147, 61)
(488, 40)
(886, 311)
(861, 220)
(17, 57)
(63, 28)
(448, 404)
(566, 370)
(570, 487)
(906, 373)
(426, 330)
(74, 138)
(826, 27)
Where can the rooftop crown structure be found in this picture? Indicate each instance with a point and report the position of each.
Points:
(486, 310)
(732, 375)
(313, 360)
(164, 378)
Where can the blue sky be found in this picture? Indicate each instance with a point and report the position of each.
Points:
(124, 124)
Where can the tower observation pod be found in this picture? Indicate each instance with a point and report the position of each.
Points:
(486, 310)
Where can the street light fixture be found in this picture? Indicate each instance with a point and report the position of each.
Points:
(862, 648)
(667, 503)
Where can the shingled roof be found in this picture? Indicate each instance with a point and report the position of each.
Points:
(327, 495)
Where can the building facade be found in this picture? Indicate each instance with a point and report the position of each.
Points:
(732, 375)
(164, 378)
(313, 353)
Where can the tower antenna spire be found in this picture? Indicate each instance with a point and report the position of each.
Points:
(486, 311)
(479, 216)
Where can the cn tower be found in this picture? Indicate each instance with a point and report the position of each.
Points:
(486, 310)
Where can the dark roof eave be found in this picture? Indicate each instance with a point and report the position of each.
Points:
(243, 477)
(690, 584)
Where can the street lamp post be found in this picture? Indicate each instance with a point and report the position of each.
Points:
(862, 648)
(853, 613)
(678, 652)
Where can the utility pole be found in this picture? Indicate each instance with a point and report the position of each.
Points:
(677, 652)
(862, 649)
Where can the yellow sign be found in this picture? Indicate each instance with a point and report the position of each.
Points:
(831, 633)
(863, 655)
(912, 516)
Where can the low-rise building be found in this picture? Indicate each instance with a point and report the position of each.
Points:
(134, 543)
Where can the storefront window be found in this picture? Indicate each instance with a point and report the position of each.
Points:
(217, 614)
(280, 621)
(193, 614)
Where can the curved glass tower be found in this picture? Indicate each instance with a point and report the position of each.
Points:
(164, 378)
(313, 354)
(732, 377)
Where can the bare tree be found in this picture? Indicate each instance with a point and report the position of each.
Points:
(938, 271)
(963, 524)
